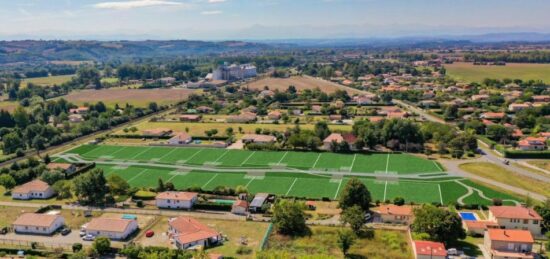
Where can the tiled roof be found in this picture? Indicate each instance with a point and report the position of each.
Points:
(109, 224)
(430, 248)
(182, 196)
(391, 209)
(190, 230)
(514, 212)
(36, 220)
(32, 186)
(510, 235)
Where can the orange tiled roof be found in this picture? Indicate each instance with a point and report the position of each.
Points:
(514, 212)
(36, 220)
(182, 196)
(430, 248)
(190, 230)
(510, 235)
(32, 186)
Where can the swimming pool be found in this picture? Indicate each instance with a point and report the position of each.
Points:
(468, 216)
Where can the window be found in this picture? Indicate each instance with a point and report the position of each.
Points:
(525, 221)
(510, 246)
(536, 222)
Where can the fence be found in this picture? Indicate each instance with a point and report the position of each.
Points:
(24, 244)
(265, 239)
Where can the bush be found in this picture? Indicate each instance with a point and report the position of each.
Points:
(244, 250)
(77, 247)
(144, 195)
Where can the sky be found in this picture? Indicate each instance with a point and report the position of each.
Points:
(266, 19)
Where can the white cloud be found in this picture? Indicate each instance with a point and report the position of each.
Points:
(124, 5)
(211, 12)
(216, 1)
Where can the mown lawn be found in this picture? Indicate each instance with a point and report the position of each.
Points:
(467, 72)
(321, 242)
(497, 173)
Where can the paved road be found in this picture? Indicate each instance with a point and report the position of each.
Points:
(419, 111)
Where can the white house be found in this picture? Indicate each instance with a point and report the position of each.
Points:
(188, 232)
(176, 200)
(516, 217)
(395, 214)
(36, 223)
(35, 189)
(112, 228)
(180, 138)
(240, 207)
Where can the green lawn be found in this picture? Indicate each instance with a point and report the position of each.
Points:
(467, 72)
(47, 81)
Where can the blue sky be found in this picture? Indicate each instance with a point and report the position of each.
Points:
(265, 19)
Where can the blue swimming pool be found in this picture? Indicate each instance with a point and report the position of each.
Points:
(468, 216)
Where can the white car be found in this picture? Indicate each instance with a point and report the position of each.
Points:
(88, 238)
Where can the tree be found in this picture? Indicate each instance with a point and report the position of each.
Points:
(117, 185)
(321, 130)
(399, 201)
(63, 189)
(102, 245)
(91, 187)
(12, 142)
(160, 185)
(544, 212)
(289, 218)
(52, 177)
(77, 247)
(7, 181)
(355, 193)
(153, 106)
(346, 239)
(355, 217)
(441, 225)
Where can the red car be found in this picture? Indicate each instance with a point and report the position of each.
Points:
(149, 233)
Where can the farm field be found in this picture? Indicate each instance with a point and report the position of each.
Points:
(47, 81)
(271, 172)
(198, 129)
(8, 105)
(467, 72)
(301, 83)
(136, 97)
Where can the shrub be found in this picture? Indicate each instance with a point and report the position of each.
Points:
(244, 250)
(144, 195)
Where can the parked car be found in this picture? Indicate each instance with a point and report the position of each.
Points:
(65, 231)
(82, 233)
(149, 233)
(88, 238)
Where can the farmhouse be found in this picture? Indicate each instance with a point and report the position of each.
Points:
(66, 168)
(36, 223)
(532, 144)
(112, 228)
(180, 138)
(395, 214)
(258, 138)
(516, 217)
(190, 118)
(240, 207)
(79, 110)
(158, 132)
(35, 189)
(176, 200)
(508, 243)
(429, 250)
(76, 118)
(188, 232)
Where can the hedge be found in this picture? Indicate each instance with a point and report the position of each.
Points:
(526, 154)
(144, 195)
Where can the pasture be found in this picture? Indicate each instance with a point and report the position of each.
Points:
(301, 83)
(291, 174)
(136, 97)
(47, 81)
(467, 72)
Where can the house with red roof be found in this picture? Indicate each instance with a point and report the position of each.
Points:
(493, 115)
(478, 227)
(112, 228)
(516, 217)
(429, 250)
(532, 144)
(339, 138)
(509, 243)
(240, 207)
(35, 189)
(187, 232)
(180, 138)
(395, 214)
(176, 200)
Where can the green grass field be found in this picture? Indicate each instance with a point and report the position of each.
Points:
(47, 81)
(467, 72)
(440, 188)
(357, 163)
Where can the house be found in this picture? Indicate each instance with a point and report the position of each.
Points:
(187, 232)
(516, 107)
(333, 137)
(429, 250)
(541, 98)
(258, 202)
(176, 200)
(36, 223)
(180, 138)
(493, 115)
(480, 97)
(397, 115)
(240, 207)
(509, 243)
(335, 117)
(395, 214)
(478, 227)
(516, 217)
(316, 109)
(266, 93)
(112, 228)
(274, 115)
(167, 80)
(79, 110)
(190, 118)
(66, 168)
(158, 132)
(532, 144)
(204, 109)
(35, 189)
(258, 139)
(76, 118)
(242, 118)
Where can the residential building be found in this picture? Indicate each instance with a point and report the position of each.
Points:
(509, 243)
(180, 138)
(112, 228)
(493, 115)
(187, 232)
(240, 207)
(516, 217)
(395, 214)
(532, 144)
(76, 118)
(478, 227)
(274, 115)
(66, 168)
(429, 250)
(79, 110)
(541, 98)
(516, 107)
(176, 200)
(36, 223)
(35, 189)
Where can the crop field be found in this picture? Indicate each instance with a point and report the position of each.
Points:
(136, 97)
(291, 174)
(47, 81)
(225, 158)
(467, 72)
(301, 83)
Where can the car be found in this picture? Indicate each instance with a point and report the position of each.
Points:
(65, 231)
(82, 233)
(88, 237)
(149, 233)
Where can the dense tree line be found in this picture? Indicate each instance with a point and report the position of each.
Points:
(516, 56)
